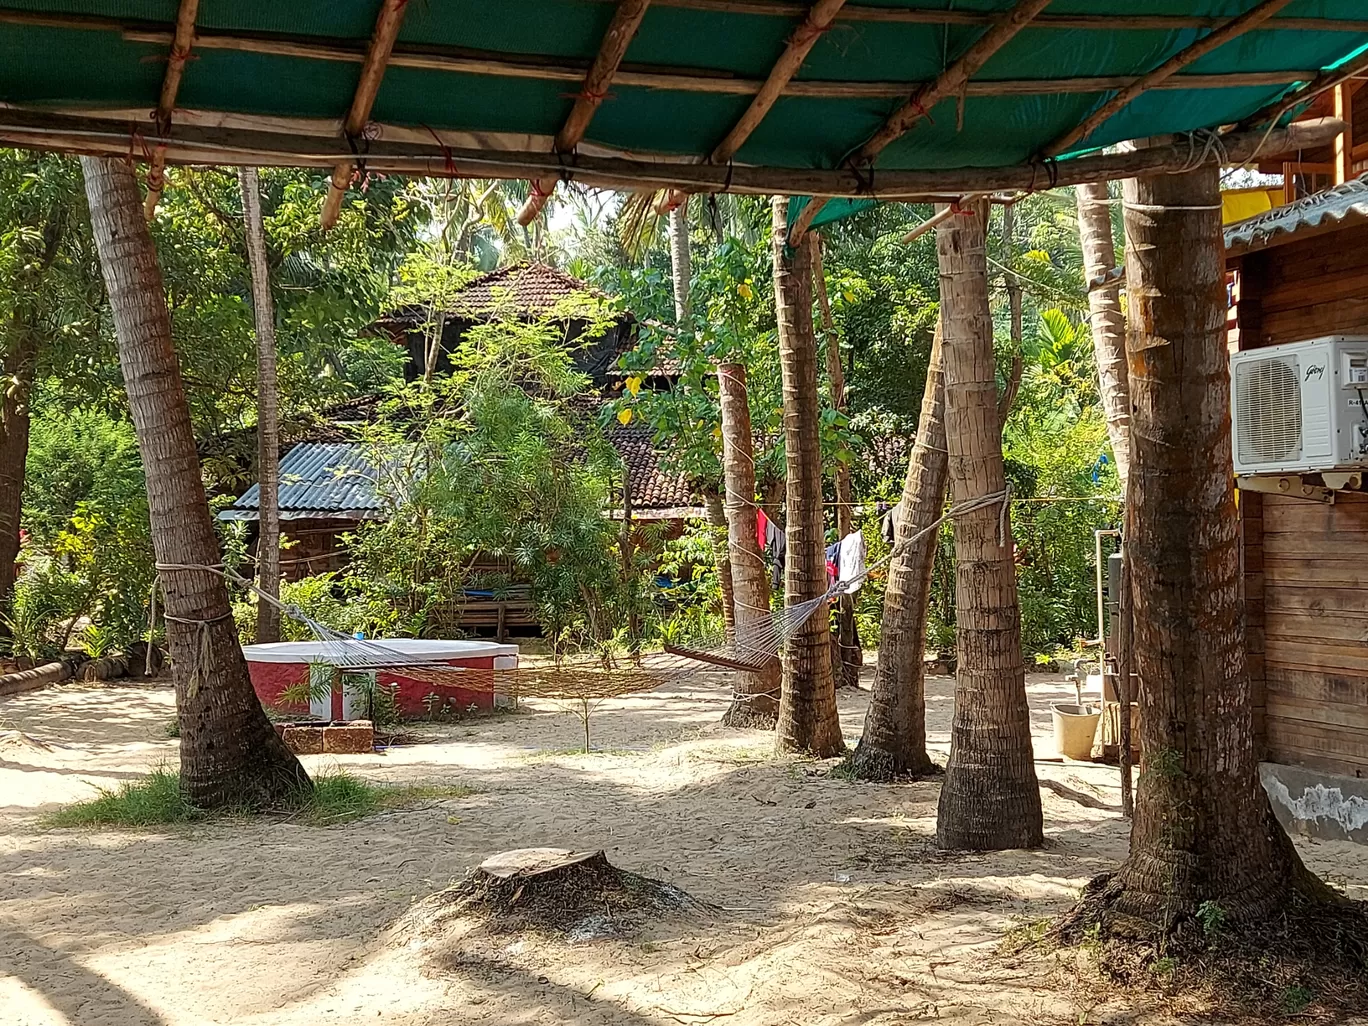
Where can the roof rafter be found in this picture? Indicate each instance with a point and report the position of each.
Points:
(387, 23)
(181, 42)
(819, 18)
(949, 82)
(1218, 37)
(616, 38)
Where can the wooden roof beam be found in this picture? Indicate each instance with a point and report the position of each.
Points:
(950, 82)
(181, 41)
(387, 23)
(616, 38)
(1215, 39)
(819, 18)
(277, 147)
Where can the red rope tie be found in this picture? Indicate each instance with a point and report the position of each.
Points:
(588, 94)
(450, 165)
(539, 192)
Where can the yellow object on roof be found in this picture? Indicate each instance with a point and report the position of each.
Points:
(1238, 204)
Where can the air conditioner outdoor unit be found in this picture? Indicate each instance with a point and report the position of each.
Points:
(1300, 407)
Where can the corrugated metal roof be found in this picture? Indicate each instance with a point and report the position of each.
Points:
(1323, 211)
(320, 479)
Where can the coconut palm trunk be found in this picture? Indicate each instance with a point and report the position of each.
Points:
(756, 701)
(1108, 322)
(230, 753)
(808, 718)
(894, 740)
(1203, 829)
(990, 799)
(849, 653)
(268, 410)
(681, 264)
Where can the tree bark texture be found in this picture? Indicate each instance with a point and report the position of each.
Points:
(990, 799)
(1203, 828)
(20, 357)
(808, 718)
(230, 753)
(850, 653)
(717, 523)
(894, 739)
(681, 265)
(756, 701)
(268, 410)
(1108, 323)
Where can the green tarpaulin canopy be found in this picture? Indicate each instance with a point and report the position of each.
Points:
(270, 82)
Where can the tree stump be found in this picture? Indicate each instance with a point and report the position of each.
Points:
(578, 896)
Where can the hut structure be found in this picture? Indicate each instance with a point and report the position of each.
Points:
(1300, 272)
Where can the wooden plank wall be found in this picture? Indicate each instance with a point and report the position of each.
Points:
(1315, 631)
(1306, 563)
(1317, 286)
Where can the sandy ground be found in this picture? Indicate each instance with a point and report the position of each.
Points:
(837, 907)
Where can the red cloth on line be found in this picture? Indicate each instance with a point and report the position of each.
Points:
(761, 527)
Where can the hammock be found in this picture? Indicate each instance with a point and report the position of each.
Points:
(754, 646)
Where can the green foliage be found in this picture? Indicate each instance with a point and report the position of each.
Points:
(1212, 918)
(1296, 999)
(89, 552)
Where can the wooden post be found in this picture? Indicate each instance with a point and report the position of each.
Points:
(808, 720)
(1344, 142)
(990, 799)
(268, 413)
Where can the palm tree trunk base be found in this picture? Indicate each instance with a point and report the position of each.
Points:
(748, 713)
(885, 765)
(1300, 942)
(980, 809)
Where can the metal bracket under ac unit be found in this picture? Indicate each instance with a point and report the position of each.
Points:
(1292, 485)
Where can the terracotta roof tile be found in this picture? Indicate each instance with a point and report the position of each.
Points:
(520, 289)
(652, 486)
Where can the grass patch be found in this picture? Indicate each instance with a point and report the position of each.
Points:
(152, 801)
(156, 800)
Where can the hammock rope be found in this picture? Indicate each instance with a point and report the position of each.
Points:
(756, 647)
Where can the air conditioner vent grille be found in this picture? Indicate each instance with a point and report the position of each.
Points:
(1268, 408)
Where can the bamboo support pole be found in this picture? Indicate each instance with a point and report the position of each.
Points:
(619, 35)
(181, 42)
(950, 82)
(275, 148)
(818, 20)
(1217, 38)
(1344, 142)
(387, 25)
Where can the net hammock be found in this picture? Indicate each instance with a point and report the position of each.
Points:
(753, 646)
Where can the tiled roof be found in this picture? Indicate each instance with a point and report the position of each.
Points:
(520, 290)
(652, 486)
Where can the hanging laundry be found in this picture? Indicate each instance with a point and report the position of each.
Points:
(833, 558)
(762, 528)
(888, 526)
(851, 554)
(776, 547)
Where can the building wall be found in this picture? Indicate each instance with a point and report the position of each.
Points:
(1306, 562)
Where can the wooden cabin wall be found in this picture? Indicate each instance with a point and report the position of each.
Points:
(1305, 562)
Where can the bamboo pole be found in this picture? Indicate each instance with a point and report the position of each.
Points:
(800, 44)
(1217, 38)
(948, 83)
(208, 145)
(1344, 142)
(1274, 111)
(387, 24)
(181, 42)
(619, 35)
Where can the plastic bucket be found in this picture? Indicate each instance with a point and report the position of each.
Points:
(1074, 729)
